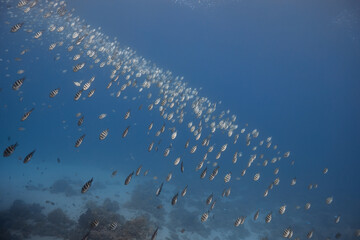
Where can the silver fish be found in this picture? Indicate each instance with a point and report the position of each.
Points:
(27, 114)
(174, 199)
(158, 191)
(128, 178)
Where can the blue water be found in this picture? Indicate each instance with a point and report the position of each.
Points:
(287, 68)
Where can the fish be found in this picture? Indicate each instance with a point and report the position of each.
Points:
(29, 156)
(104, 134)
(86, 186)
(18, 83)
(287, 232)
(214, 173)
(282, 209)
(239, 220)
(209, 199)
(80, 121)
(78, 67)
(127, 115)
(227, 177)
(54, 92)
(128, 178)
(78, 95)
(174, 199)
(16, 27)
(126, 131)
(268, 217)
(113, 226)
(177, 161)
(79, 141)
(256, 216)
(113, 174)
(27, 114)
(153, 237)
(94, 223)
(158, 191)
(329, 200)
(310, 234)
(204, 216)
(168, 177)
(10, 149)
(137, 173)
(91, 93)
(184, 191)
(182, 167)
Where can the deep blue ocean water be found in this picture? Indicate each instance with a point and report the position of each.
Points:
(289, 69)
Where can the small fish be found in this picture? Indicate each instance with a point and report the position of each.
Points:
(151, 126)
(29, 156)
(158, 191)
(128, 178)
(203, 174)
(54, 92)
(256, 216)
(182, 167)
(187, 143)
(310, 234)
(18, 83)
(94, 223)
(227, 177)
(174, 199)
(213, 205)
(214, 173)
(80, 121)
(78, 95)
(103, 134)
(282, 209)
(286, 233)
(153, 237)
(193, 149)
(27, 114)
(91, 92)
(307, 206)
(113, 226)
(329, 200)
(9, 150)
(78, 67)
(239, 220)
(16, 27)
(127, 115)
(137, 173)
(205, 216)
(38, 34)
(79, 141)
(168, 177)
(113, 174)
(184, 191)
(86, 186)
(126, 131)
(268, 217)
(150, 146)
(209, 199)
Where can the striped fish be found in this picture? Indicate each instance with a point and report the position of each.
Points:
(80, 121)
(29, 156)
(104, 134)
(113, 226)
(22, 3)
(18, 83)
(209, 199)
(94, 223)
(127, 115)
(86, 186)
(282, 209)
(38, 34)
(227, 177)
(203, 174)
(79, 141)
(9, 150)
(54, 92)
(27, 114)
(205, 216)
(91, 93)
(268, 217)
(78, 67)
(214, 173)
(78, 95)
(16, 27)
(239, 220)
